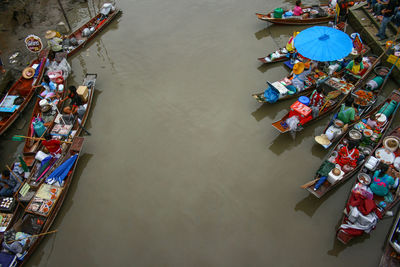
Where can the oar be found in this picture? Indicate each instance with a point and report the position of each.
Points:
(46, 233)
(304, 186)
(21, 138)
(13, 173)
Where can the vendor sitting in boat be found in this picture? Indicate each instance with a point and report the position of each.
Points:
(297, 10)
(316, 101)
(348, 155)
(347, 113)
(300, 72)
(372, 122)
(382, 181)
(8, 184)
(50, 88)
(356, 67)
(75, 102)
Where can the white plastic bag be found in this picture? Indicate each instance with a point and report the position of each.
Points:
(293, 122)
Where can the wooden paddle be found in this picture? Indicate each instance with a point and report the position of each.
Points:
(21, 138)
(13, 173)
(46, 233)
(304, 186)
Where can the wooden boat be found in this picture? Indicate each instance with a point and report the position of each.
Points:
(268, 60)
(72, 126)
(21, 88)
(298, 20)
(363, 109)
(391, 254)
(343, 234)
(367, 148)
(45, 221)
(93, 22)
(334, 98)
(310, 86)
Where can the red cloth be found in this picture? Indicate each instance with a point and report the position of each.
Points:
(317, 99)
(346, 157)
(364, 205)
(53, 146)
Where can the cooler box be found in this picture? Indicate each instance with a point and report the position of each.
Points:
(301, 108)
(83, 93)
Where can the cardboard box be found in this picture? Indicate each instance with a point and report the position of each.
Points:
(83, 93)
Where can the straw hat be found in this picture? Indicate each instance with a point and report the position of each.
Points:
(28, 72)
(50, 34)
(322, 140)
(298, 68)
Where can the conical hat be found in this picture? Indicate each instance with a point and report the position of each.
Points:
(322, 140)
(50, 34)
(28, 72)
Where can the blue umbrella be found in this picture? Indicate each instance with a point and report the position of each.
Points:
(61, 172)
(323, 43)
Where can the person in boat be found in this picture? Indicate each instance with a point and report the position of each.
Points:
(290, 47)
(16, 242)
(8, 184)
(344, 6)
(383, 180)
(297, 10)
(348, 155)
(50, 88)
(316, 101)
(53, 146)
(75, 102)
(347, 113)
(356, 67)
(371, 122)
(300, 72)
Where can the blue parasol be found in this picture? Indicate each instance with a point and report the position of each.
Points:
(323, 43)
(61, 172)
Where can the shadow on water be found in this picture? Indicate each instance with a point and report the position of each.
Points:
(268, 110)
(286, 141)
(68, 202)
(309, 204)
(266, 67)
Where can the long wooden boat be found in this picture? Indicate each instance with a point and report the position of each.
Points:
(332, 102)
(268, 59)
(298, 20)
(21, 88)
(310, 86)
(48, 220)
(391, 253)
(345, 234)
(362, 110)
(72, 126)
(95, 22)
(367, 147)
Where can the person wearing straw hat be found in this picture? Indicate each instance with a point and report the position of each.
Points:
(54, 41)
(300, 72)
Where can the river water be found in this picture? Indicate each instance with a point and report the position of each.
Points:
(183, 167)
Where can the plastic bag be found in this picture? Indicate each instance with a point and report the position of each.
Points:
(56, 70)
(271, 95)
(293, 122)
(363, 190)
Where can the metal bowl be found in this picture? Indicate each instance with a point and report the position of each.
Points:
(355, 135)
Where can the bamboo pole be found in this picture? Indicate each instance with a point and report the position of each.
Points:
(65, 15)
(42, 234)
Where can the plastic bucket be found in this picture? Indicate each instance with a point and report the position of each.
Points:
(304, 100)
(278, 12)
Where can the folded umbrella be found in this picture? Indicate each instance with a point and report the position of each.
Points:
(61, 172)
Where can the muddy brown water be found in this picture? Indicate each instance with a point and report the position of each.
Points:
(183, 167)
